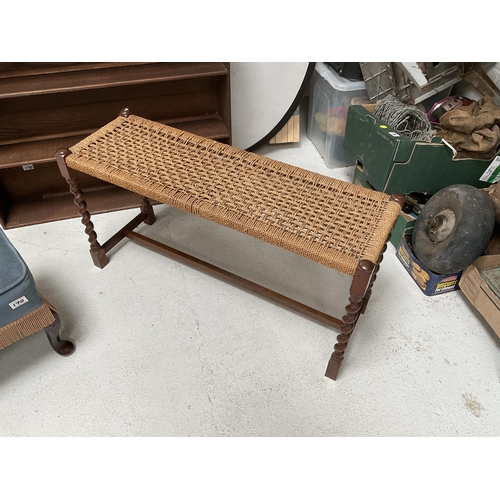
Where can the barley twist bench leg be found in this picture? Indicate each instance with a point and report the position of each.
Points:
(96, 250)
(360, 284)
(372, 281)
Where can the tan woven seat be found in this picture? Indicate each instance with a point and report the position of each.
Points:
(332, 222)
(327, 220)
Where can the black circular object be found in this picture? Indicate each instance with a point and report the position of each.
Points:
(453, 229)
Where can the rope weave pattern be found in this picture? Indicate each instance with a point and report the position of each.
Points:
(327, 220)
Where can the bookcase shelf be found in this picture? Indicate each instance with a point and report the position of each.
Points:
(48, 106)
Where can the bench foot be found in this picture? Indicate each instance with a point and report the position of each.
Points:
(62, 347)
(99, 257)
(332, 369)
(362, 279)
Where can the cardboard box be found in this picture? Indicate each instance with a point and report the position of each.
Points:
(494, 193)
(393, 163)
(479, 294)
(430, 283)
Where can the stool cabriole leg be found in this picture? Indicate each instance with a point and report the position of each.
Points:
(359, 287)
(96, 251)
(62, 347)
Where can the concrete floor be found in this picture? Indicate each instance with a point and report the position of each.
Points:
(164, 350)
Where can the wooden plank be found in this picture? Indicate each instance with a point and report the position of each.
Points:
(296, 128)
(37, 209)
(289, 133)
(17, 69)
(43, 150)
(71, 81)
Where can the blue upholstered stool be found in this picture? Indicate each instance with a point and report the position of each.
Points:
(23, 311)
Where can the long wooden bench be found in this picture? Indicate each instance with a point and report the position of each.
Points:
(335, 223)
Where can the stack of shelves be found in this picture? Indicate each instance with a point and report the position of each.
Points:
(47, 106)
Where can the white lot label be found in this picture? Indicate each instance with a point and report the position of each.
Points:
(492, 173)
(18, 302)
(29, 167)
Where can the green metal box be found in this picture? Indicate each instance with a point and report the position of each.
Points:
(402, 228)
(392, 163)
(404, 223)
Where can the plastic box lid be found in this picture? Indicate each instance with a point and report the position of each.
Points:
(336, 81)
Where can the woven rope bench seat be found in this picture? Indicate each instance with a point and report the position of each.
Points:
(332, 222)
(340, 225)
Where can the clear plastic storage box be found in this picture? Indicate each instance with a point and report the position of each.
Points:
(329, 97)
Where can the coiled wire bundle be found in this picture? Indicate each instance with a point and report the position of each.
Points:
(405, 118)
